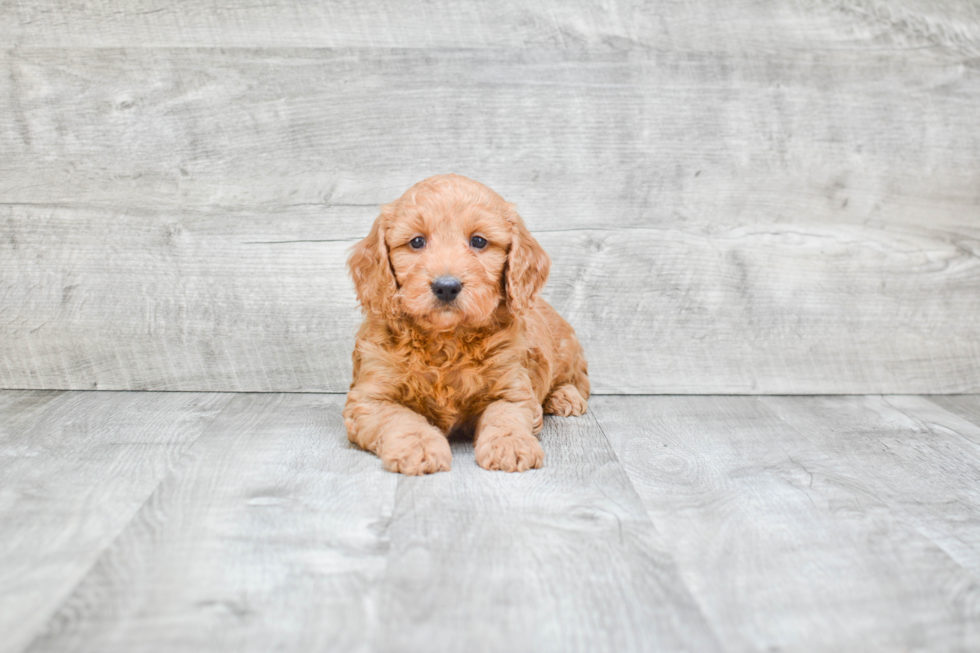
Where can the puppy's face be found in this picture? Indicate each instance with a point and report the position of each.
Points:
(448, 258)
(448, 253)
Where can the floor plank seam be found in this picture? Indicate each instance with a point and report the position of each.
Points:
(43, 631)
(947, 411)
(654, 498)
(899, 513)
(695, 599)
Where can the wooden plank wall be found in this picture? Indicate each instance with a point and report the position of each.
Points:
(738, 196)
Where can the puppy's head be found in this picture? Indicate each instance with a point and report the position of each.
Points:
(448, 253)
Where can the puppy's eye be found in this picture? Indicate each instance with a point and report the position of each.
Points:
(478, 242)
(417, 243)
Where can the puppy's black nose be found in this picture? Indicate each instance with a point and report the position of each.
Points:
(446, 288)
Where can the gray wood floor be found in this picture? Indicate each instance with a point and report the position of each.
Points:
(221, 522)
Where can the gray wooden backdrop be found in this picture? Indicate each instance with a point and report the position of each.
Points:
(739, 196)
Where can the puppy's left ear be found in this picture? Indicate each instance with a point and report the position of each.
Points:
(527, 265)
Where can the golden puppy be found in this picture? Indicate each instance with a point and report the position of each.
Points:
(455, 337)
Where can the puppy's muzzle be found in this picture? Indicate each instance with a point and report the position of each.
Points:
(446, 288)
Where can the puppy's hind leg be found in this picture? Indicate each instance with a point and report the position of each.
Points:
(571, 388)
(565, 400)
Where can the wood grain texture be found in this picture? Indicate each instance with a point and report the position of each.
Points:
(152, 521)
(930, 480)
(938, 25)
(593, 138)
(817, 524)
(966, 406)
(182, 301)
(800, 222)
(269, 535)
(558, 559)
(76, 467)
(924, 465)
(273, 534)
(559, 24)
(215, 301)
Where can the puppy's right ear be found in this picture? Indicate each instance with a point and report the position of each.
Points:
(371, 271)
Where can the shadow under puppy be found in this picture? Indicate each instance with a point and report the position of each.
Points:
(455, 338)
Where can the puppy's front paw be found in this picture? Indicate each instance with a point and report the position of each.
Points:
(564, 401)
(416, 452)
(512, 452)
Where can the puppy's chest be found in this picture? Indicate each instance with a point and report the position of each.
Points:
(448, 388)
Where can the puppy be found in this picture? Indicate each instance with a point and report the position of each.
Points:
(455, 338)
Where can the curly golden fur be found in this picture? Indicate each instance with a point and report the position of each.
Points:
(484, 363)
